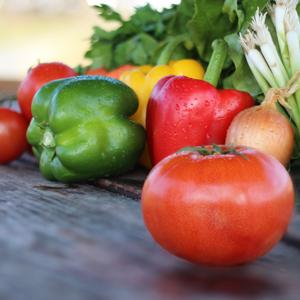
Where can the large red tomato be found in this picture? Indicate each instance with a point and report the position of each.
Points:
(36, 78)
(218, 208)
(13, 141)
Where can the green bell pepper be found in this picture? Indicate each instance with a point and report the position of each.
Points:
(80, 128)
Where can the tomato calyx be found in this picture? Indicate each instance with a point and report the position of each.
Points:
(214, 150)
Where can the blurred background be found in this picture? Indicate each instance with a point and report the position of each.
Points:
(33, 31)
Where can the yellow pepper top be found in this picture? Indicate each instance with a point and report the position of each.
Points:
(143, 79)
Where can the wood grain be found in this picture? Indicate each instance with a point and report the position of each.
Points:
(78, 242)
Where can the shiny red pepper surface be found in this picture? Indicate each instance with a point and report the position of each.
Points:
(188, 112)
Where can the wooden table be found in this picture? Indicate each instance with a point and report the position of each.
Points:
(62, 241)
(85, 242)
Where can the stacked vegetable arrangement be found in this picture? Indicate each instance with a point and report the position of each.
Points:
(278, 74)
(177, 91)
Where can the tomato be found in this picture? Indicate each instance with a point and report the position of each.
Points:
(13, 141)
(36, 78)
(218, 207)
(116, 73)
(97, 71)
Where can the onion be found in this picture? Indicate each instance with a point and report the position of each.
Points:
(264, 128)
(277, 71)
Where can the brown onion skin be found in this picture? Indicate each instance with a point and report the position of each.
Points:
(264, 128)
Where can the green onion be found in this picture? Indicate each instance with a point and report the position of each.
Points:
(280, 10)
(248, 44)
(263, 84)
(292, 6)
(272, 68)
(292, 37)
(268, 49)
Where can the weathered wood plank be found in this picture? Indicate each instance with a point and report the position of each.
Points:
(293, 235)
(129, 184)
(78, 242)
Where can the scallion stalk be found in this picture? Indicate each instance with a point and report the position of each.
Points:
(292, 38)
(268, 54)
(280, 10)
(294, 50)
(257, 59)
(272, 68)
(264, 41)
(292, 6)
(263, 84)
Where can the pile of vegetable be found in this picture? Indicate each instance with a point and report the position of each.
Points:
(204, 28)
(206, 93)
(275, 64)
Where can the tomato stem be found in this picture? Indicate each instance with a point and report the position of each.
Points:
(214, 150)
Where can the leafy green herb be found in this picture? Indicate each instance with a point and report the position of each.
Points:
(241, 78)
(108, 14)
(215, 20)
(141, 39)
(208, 24)
(231, 8)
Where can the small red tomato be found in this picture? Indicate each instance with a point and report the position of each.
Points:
(116, 73)
(13, 141)
(36, 78)
(97, 71)
(218, 207)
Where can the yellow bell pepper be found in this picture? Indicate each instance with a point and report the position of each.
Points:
(143, 79)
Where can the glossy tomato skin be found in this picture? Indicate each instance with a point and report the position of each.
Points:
(13, 141)
(219, 209)
(36, 78)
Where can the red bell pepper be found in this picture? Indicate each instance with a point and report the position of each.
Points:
(188, 112)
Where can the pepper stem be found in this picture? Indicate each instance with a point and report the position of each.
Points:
(167, 52)
(216, 62)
